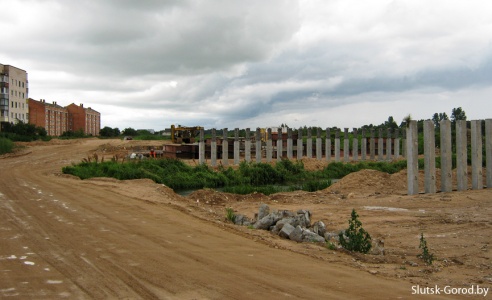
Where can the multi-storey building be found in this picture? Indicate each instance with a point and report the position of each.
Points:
(53, 117)
(13, 95)
(86, 119)
(57, 119)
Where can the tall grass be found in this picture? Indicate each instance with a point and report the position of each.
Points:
(250, 177)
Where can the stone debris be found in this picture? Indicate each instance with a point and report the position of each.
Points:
(295, 226)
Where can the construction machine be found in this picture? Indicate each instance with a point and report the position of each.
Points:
(184, 135)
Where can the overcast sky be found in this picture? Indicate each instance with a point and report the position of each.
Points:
(256, 63)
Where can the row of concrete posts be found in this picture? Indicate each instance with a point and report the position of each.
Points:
(446, 157)
(388, 148)
(380, 149)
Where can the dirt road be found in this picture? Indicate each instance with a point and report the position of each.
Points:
(61, 237)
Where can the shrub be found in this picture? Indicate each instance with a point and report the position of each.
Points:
(6, 145)
(355, 237)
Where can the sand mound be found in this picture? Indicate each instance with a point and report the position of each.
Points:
(368, 182)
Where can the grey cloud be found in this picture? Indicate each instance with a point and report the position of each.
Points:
(178, 38)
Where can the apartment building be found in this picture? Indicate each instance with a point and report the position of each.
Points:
(13, 95)
(53, 117)
(57, 119)
(83, 118)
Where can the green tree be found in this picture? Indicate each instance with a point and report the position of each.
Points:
(130, 131)
(391, 123)
(438, 117)
(457, 114)
(109, 132)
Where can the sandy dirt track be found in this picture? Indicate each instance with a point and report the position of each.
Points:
(61, 237)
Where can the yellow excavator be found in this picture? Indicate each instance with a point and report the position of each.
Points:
(184, 135)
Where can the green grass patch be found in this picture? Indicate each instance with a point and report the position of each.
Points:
(248, 178)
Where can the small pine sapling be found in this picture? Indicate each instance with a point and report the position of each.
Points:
(355, 237)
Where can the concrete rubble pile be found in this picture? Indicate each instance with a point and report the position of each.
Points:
(287, 224)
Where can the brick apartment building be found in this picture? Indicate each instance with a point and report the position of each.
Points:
(13, 95)
(57, 119)
(86, 119)
(51, 116)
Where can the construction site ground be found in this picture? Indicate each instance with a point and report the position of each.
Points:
(62, 237)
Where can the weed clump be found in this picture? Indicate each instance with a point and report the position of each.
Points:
(355, 237)
(230, 215)
(426, 256)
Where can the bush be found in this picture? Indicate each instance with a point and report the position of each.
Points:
(355, 237)
(6, 145)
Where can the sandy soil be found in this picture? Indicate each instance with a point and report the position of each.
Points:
(62, 237)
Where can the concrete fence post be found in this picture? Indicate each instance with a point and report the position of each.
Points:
(363, 145)
(346, 145)
(309, 144)
(289, 143)
(279, 144)
(412, 158)
(488, 151)
(380, 145)
(236, 146)
(397, 144)
(319, 144)
(258, 149)
(446, 157)
(213, 148)
(201, 148)
(299, 146)
(429, 157)
(403, 143)
(247, 145)
(372, 145)
(225, 148)
(389, 141)
(461, 155)
(337, 145)
(476, 154)
(269, 145)
(328, 144)
(355, 145)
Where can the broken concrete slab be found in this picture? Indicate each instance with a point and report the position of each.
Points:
(286, 230)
